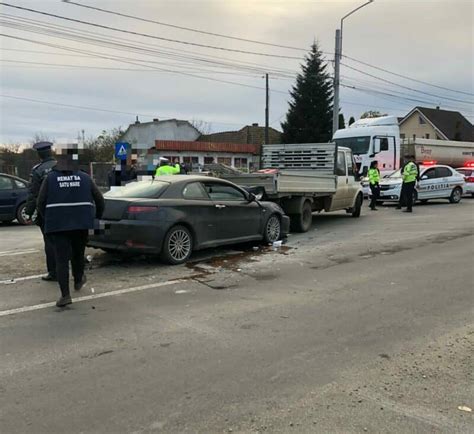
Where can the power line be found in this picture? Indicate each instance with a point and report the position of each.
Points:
(405, 87)
(145, 35)
(372, 91)
(406, 77)
(138, 64)
(43, 27)
(38, 101)
(61, 65)
(174, 26)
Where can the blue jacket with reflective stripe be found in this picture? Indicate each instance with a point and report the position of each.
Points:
(69, 202)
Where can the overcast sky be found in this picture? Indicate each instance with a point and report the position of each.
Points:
(430, 41)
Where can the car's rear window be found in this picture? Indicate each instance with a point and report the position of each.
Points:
(465, 172)
(139, 190)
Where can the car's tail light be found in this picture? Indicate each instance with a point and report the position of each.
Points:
(141, 209)
(469, 178)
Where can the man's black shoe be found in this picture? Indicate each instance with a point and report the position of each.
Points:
(398, 207)
(373, 209)
(78, 285)
(64, 301)
(49, 278)
(408, 210)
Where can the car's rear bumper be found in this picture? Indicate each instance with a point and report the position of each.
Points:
(128, 235)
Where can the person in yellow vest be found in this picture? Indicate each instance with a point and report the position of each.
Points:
(166, 168)
(374, 179)
(410, 176)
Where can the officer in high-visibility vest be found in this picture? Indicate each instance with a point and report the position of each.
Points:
(68, 201)
(374, 179)
(166, 168)
(410, 176)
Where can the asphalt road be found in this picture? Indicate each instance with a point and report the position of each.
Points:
(360, 325)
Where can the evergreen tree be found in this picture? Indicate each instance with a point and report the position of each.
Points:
(309, 117)
(351, 120)
(342, 122)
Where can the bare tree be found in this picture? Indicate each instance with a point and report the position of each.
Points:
(10, 148)
(202, 126)
(40, 137)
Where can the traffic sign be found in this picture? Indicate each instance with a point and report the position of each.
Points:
(122, 150)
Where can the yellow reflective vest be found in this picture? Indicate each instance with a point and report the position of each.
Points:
(168, 170)
(410, 172)
(374, 176)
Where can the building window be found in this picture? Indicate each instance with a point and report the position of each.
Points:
(414, 136)
(191, 160)
(402, 136)
(421, 120)
(173, 158)
(208, 160)
(427, 135)
(225, 160)
(240, 163)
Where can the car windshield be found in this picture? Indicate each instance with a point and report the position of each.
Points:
(139, 190)
(359, 145)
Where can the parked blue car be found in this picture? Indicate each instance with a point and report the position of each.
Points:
(13, 194)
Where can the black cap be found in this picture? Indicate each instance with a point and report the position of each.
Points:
(42, 146)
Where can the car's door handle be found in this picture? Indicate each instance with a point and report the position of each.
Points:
(220, 206)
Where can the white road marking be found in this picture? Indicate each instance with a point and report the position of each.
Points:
(91, 297)
(18, 252)
(19, 279)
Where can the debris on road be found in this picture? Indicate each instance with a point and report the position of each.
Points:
(181, 291)
(465, 408)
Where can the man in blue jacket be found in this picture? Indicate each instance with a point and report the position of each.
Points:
(68, 201)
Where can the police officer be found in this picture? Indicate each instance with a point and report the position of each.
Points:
(38, 173)
(166, 168)
(374, 179)
(66, 202)
(410, 176)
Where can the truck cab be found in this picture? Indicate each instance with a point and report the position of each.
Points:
(372, 139)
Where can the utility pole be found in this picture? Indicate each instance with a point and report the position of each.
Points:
(267, 114)
(266, 109)
(337, 66)
(337, 63)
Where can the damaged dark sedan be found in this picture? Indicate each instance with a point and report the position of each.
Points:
(174, 215)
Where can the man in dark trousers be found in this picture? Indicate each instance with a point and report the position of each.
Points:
(68, 201)
(38, 173)
(410, 176)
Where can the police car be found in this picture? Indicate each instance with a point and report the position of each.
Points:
(468, 172)
(436, 182)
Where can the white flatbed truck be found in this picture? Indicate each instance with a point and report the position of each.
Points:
(306, 178)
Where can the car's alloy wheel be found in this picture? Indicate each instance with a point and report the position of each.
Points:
(178, 245)
(456, 195)
(272, 229)
(21, 216)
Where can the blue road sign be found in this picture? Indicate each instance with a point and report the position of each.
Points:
(121, 150)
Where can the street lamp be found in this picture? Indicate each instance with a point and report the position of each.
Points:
(337, 61)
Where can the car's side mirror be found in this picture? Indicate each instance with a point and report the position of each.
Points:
(252, 197)
(365, 171)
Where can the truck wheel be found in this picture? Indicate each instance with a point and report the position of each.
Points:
(357, 207)
(456, 195)
(302, 222)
